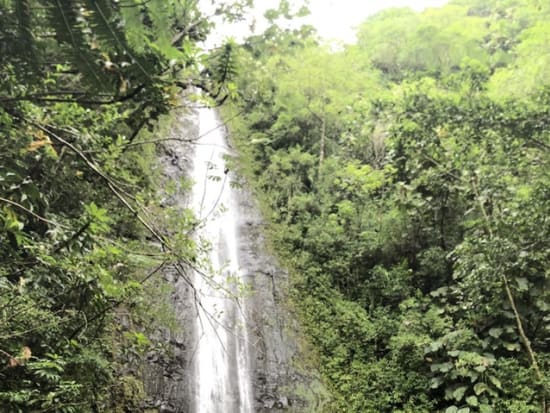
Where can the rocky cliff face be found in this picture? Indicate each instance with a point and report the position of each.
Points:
(277, 384)
(168, 377)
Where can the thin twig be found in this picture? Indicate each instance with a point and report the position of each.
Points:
(511, 299)
(28, 211)
(102, 312)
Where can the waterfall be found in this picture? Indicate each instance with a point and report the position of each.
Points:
(222, 378)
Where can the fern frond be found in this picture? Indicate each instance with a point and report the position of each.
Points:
(161, 14)
(64, 17)
(225, 63)
(137, 33)
(24, 28)
(107, 26)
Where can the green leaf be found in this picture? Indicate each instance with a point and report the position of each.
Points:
(442, 367)
(512, 346)
(523, 283)
(472, 401)
(496, 382)
(433, 347)
(485, 408)
(479, 388)
(141, 339)
(473, 375)
(480, 368)
(495, 332)
(458, 393)
(436, 382)
(451, 409)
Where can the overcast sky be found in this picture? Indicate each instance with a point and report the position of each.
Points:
(334, 19)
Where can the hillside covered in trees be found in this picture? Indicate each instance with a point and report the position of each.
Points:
(406, 180)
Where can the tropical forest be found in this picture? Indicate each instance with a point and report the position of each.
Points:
(378, 233)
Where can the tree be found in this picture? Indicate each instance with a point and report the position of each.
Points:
(83, 85)
(418, 250)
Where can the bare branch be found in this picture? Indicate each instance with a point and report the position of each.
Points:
(28, 211)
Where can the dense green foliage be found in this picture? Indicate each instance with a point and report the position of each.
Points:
(83, 84)
(406, 179)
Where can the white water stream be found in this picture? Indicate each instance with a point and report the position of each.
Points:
(221, 363)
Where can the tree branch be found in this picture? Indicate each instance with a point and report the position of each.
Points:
(115, 303)
(511, 299)
(43, 97)
(28, 211)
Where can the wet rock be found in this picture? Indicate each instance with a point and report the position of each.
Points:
(269, 404)
(283, 403)
(166, 375)
(277, 386)
(166, 408)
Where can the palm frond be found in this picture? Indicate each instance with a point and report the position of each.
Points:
(224, 67)
(137, 33)
(107, 25)
(65, 18)
(24, 28)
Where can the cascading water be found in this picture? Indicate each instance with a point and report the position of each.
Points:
(222, 361)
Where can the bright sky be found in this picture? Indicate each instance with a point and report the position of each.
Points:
(334, 19)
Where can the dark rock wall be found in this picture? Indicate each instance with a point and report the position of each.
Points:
(272, 330)
(168, 378)
(277, 384)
